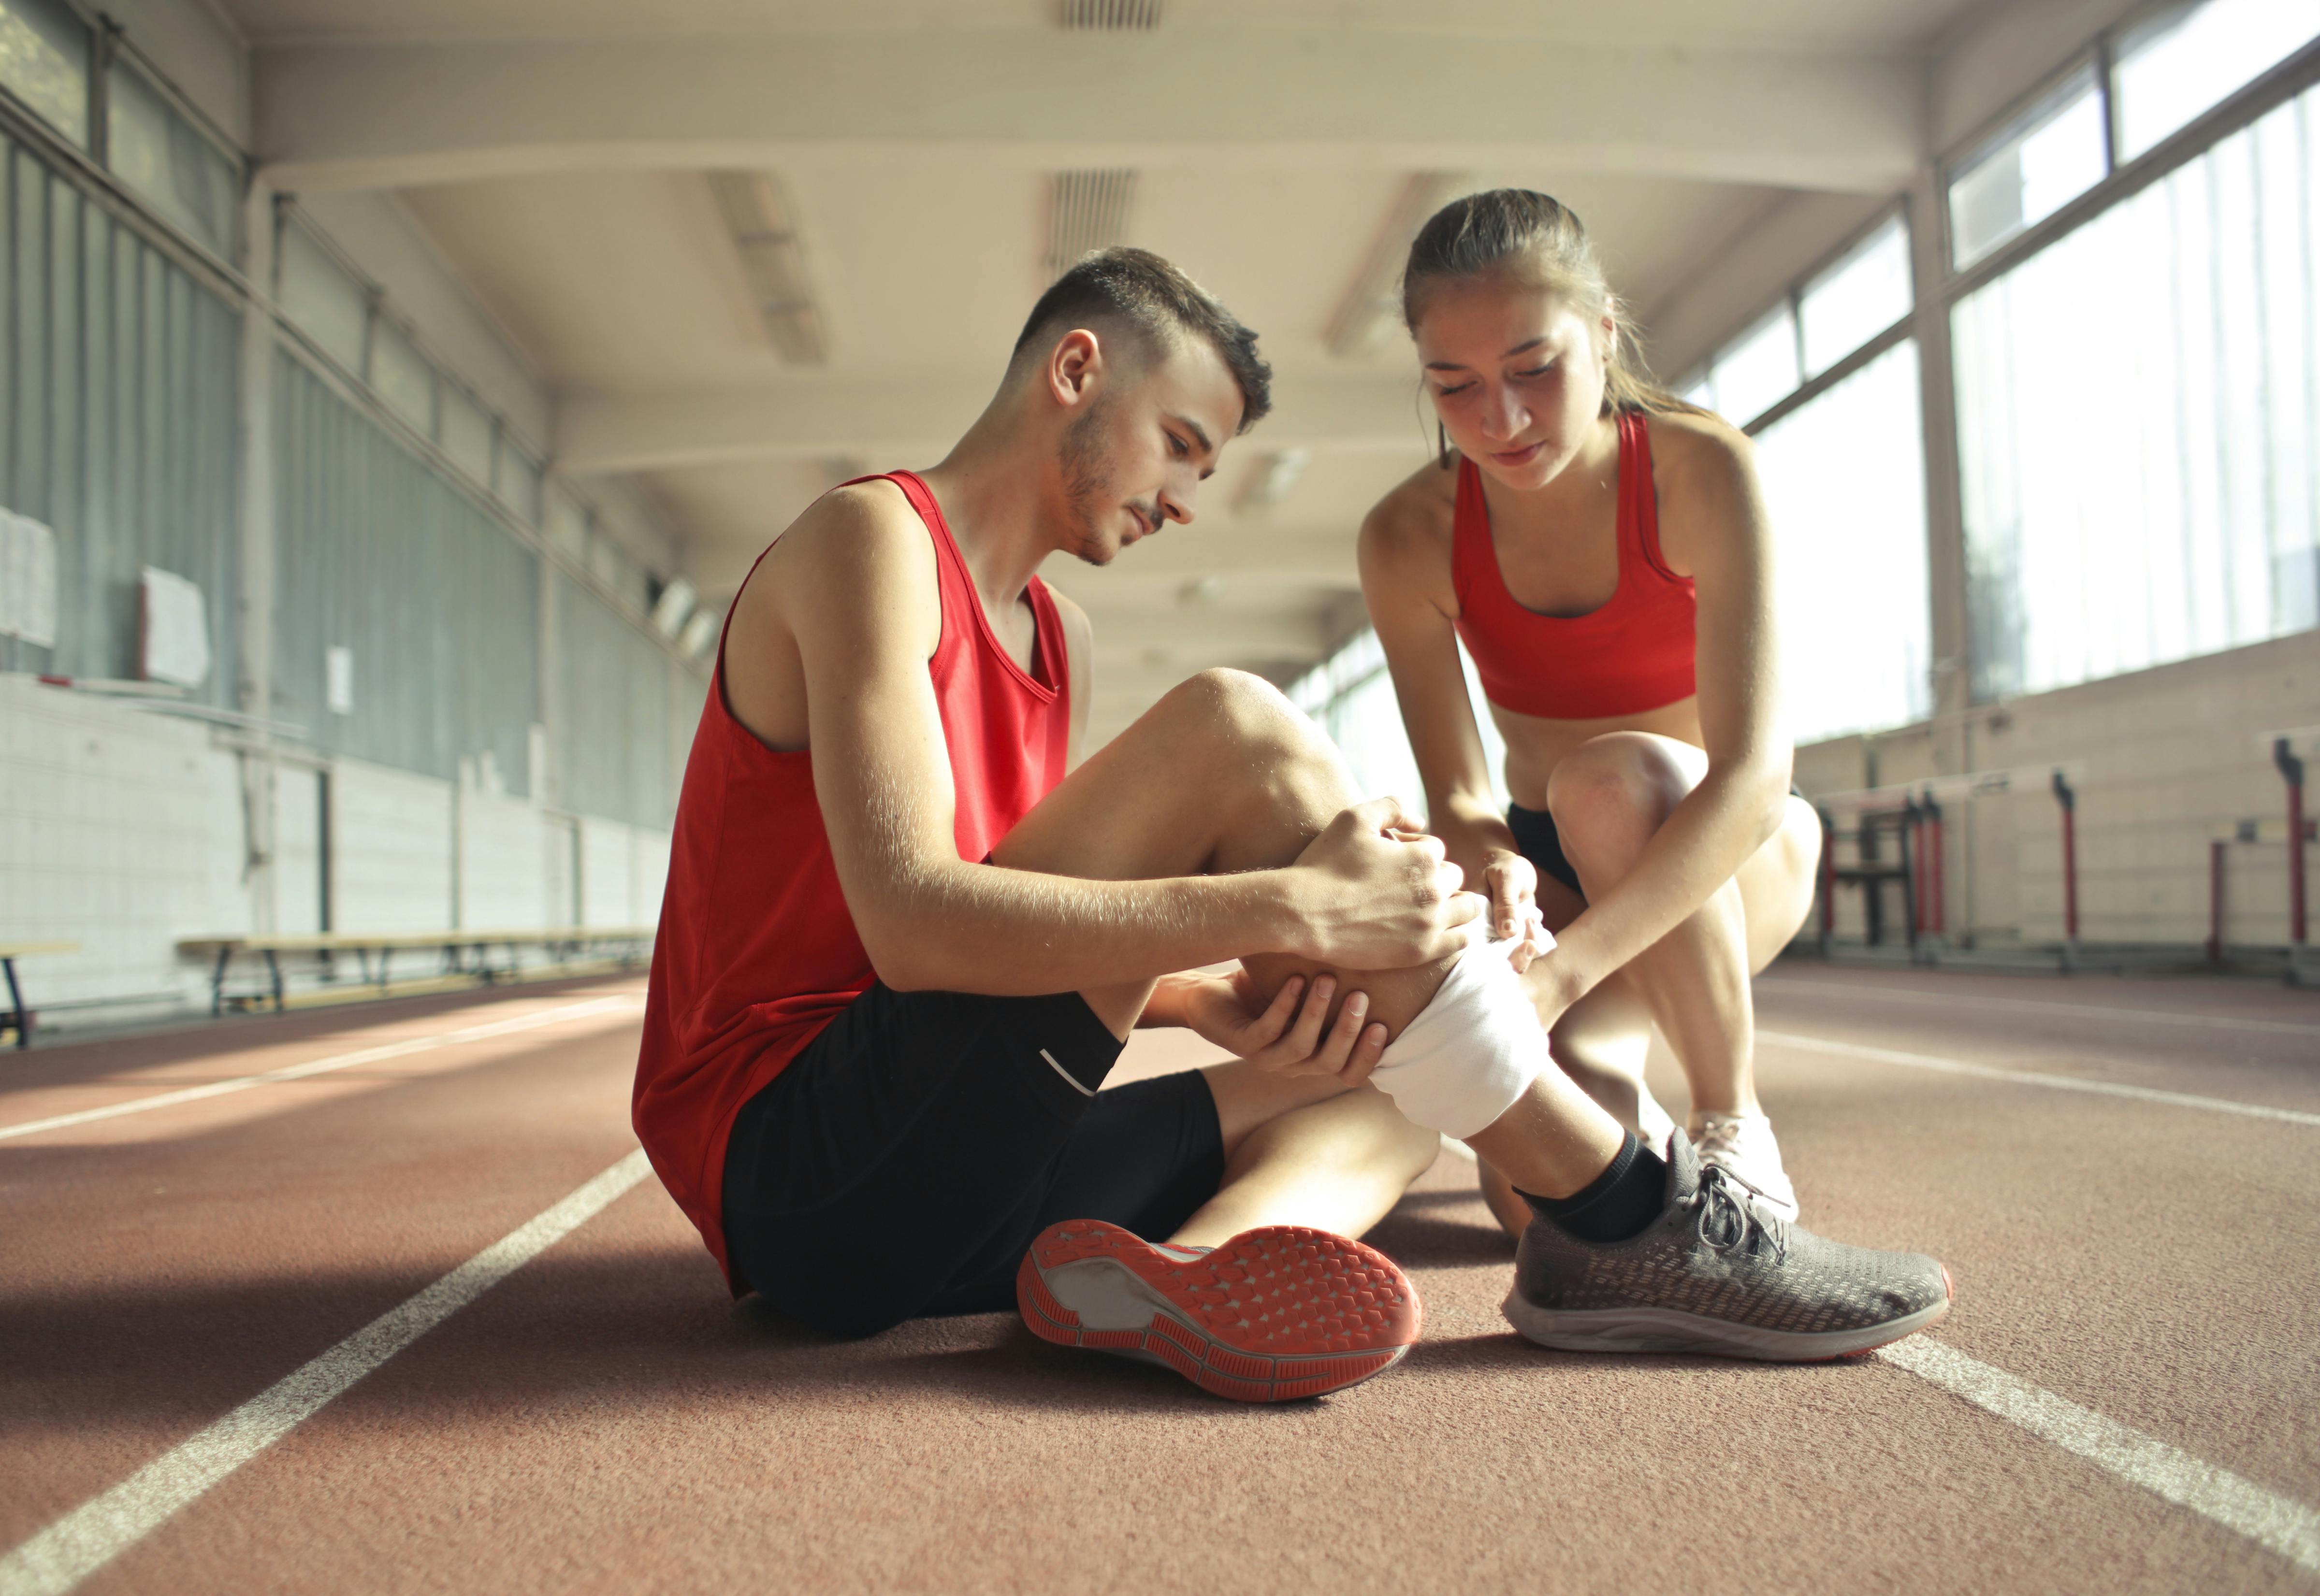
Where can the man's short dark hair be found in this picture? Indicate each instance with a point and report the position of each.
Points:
(1159, 301)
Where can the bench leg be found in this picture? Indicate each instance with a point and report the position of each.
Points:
(217, 983)
(16, 1000)
(385, 954)
(274, 977)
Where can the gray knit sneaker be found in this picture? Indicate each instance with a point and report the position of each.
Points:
(1718, 1271)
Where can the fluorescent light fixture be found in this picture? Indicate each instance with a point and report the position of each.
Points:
(676, 602)
(757, 217)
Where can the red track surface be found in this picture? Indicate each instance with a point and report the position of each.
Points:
(605, 1418)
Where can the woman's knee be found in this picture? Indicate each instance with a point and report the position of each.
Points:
(1611, 794)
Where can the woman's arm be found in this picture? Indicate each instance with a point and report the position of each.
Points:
(1717, 532)
(1405, 585)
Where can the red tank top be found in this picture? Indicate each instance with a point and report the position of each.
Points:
(1634, 653)
(756, 950)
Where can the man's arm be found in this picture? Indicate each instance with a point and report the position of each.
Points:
(855, 595)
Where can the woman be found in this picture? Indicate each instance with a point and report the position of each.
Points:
(1602, 549)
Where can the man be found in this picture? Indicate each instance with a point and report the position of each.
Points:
(901, 946)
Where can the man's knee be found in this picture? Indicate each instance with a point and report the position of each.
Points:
(1611, 794)
(1242, 710)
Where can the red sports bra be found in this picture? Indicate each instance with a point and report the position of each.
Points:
(1634, 653)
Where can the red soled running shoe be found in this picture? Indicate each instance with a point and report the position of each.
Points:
(1276, 1312)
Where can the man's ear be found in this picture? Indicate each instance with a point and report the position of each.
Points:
(1074, 367)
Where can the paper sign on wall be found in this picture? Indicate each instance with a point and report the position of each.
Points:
(338, 680)
(27, 580)
(173, 629)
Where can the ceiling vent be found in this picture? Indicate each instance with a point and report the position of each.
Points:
(1112, 16)
(1086, 210)
(757, 218)
(1372, 308)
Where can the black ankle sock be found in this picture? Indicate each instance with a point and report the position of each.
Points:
(1617, 1204)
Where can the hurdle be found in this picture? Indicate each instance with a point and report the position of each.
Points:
(2293, 831)
(1916, 813)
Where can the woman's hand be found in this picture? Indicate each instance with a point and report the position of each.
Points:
(1285, 1036)
(1510, 881)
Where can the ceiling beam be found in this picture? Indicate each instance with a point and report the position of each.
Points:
(917, 418)
(404, 114)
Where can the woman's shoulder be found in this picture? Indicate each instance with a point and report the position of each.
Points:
(1413, 520)
(1697, 452)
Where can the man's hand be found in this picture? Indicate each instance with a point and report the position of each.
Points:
(1378, 894)
(1511, 883)
(1285, 1036)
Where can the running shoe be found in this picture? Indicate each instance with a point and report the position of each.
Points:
(1719, 1271)
(1743, 1146)
(1276, 1312)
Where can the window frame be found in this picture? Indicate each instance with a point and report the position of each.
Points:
(2253, 100)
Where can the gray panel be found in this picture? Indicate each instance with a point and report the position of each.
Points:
(437, 602)
(119, 396)
(616, 685)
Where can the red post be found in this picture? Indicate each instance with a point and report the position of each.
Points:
(2070, 802)
(2216, 853)
(1933, 873)
(1916, 822)
(2291, 770)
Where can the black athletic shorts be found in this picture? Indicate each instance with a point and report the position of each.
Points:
(904, 1162)
(1536, 839)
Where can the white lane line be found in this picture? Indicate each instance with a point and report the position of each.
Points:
(100, 1530)
(2270, 1519)
(2140, 1016)
(2032, 1077)
(398, 1049)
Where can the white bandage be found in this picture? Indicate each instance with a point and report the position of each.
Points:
(1472, 1052)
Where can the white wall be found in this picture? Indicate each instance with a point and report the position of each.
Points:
(121, 830)
(2169, 754)
(503, 872)
(390, 850)
(607, 872)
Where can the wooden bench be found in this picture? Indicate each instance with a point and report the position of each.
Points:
(462, 951)
(17, 1014)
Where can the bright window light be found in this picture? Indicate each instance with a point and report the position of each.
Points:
(1857, 298)
(2179, 63)
(2179, 515)
(1758, 369)
(400, 376)
(1845, 481)
(44, 63)
(2047, 160)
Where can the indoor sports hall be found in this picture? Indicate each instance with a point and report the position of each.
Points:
(395, 396)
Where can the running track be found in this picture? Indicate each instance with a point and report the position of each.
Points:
(398, 1315)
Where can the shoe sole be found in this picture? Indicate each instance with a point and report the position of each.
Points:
(1274, 1315)
(1668, 1329)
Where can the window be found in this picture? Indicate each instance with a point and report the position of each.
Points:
(402, 378)
(2052, 156)
(1862, 294)
(568, 525)
(518, 483)
(327, 304)
(1758, 369)
(2179, 515)
(164, 158)
(44, 63)
(466, 433)
(2189, 57)
(1845, 480)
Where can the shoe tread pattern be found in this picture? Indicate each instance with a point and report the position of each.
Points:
(1275, 1314)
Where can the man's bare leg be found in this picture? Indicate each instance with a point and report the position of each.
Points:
(1307, 1151)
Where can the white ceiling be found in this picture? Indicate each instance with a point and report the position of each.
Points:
(589, 232)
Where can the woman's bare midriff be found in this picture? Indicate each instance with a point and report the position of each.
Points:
(1534, 746)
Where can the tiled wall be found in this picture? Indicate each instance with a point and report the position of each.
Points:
(2169, 755)
(122, 829)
